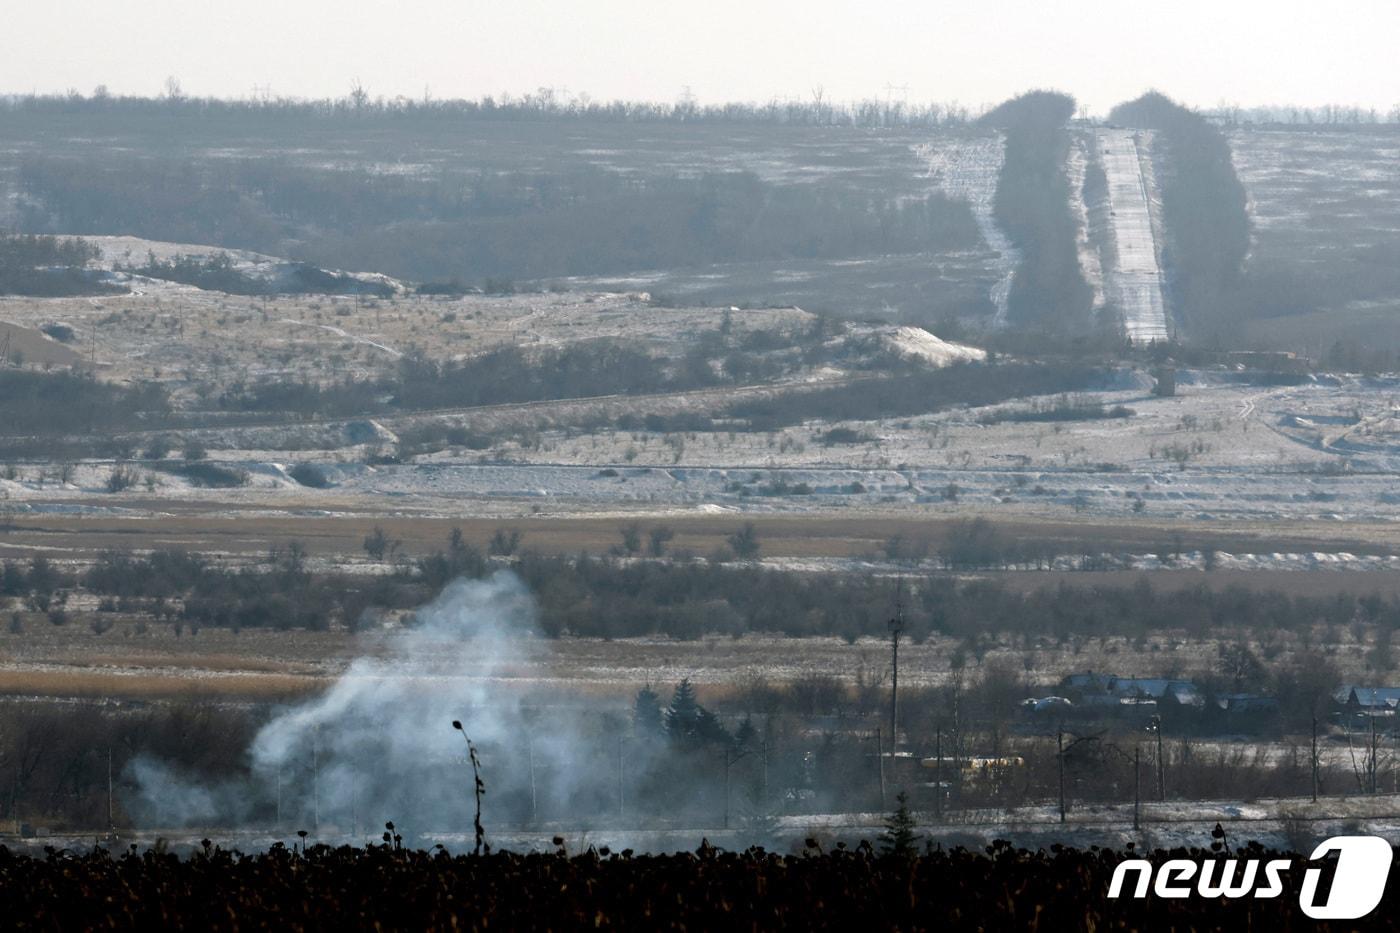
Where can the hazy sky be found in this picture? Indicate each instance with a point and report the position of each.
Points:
(1199, 51)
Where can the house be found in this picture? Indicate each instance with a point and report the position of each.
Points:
(1246, 703)
(1181, 692)
(1368, 701)
(1110, 690)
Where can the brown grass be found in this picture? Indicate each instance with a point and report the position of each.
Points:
(90, 684)
(37, 348)
(845, 534)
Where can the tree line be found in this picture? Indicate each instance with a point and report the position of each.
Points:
(606, 596)
(1203, 210)
(543, 104)
(1033, 206)
(76, 402)
(917, 391)
(474, 224)
(48, 266)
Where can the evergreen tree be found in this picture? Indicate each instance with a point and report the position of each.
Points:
(745, 735)
(708, 728)
(760, 816)
(898, 837)
(646, 713)
(683, 716)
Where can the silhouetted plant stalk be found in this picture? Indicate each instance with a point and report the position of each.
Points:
(479, 788)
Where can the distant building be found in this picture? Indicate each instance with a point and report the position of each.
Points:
(1111, 690)
(1245, 703)
(1269, 361)
(1368, 701)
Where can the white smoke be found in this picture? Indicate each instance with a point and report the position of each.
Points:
(379, 744)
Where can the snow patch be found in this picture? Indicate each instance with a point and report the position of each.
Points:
(917, 343)
(969, 169)
(1134, 284)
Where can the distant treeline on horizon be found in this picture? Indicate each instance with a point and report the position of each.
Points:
(549, 104)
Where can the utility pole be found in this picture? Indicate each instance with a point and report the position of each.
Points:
(316, 779)
(938, 774)
(1060, 744)
(730, 758)
(1314, 759)
(111, 824)
(1137, 787)
(726, 788)
(1374, 757)
(765, 775)
(880, 762)
(896, 628)
(1161, 765)
(621, 800)
(530, 754)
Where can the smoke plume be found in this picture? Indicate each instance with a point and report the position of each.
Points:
(379, 744)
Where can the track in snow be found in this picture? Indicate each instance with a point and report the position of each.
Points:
(1134, 283)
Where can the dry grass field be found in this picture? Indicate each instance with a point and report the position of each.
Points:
(32, 346)
(140, 659)
(180, 335)
(336, 533)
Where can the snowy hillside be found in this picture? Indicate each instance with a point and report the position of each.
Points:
(1134, 283)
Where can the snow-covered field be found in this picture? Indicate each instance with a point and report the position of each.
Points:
(184, 336)
(1320, 452)
(1320, 186)
(1134, 282)
(968, 169)
(1222, 450)
(1124, 271)
(1091, 220)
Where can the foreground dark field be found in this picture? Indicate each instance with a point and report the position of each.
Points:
(385, 888)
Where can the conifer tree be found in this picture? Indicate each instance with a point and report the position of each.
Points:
(745, 735)
(646, 713)
(683, 715)
(898, 837)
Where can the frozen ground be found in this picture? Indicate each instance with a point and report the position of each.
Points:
(128, 251)
(883, 164)
(185, 336)
(1326, 451)
(1324, 206)
(1314, 187)
(1134, 282)
(1091, 220)
(968, 169)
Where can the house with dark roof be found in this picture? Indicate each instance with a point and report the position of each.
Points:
(1368, 701)
(1246, 703)
(1111, 690)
